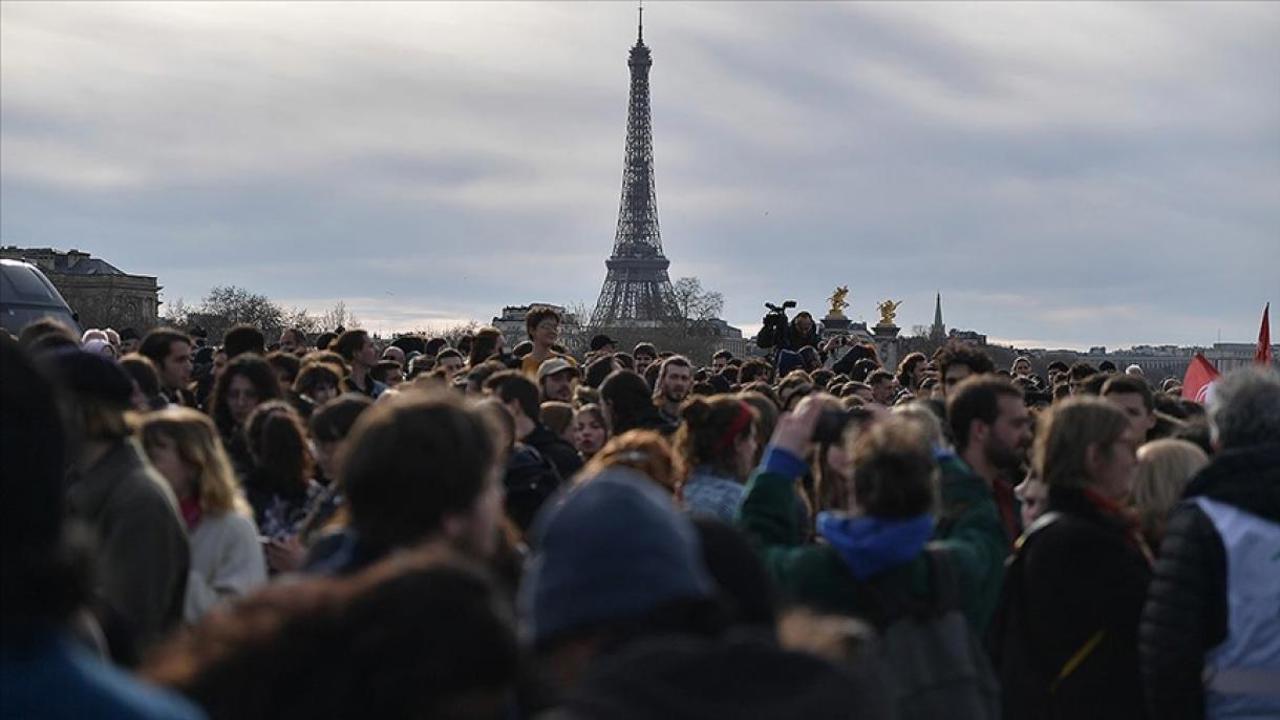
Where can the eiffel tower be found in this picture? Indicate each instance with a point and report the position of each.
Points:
(637, 291)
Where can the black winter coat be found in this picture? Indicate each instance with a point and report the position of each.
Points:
(1066, 634)
(1186, 611)
(556, 449)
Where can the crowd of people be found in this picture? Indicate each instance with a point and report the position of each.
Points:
(334, 526)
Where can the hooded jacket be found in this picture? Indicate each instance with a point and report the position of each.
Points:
(1186, 615)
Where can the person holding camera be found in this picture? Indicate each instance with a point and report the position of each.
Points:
(778, 334)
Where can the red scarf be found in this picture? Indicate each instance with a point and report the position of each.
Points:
(191, 512)
(1132, 526)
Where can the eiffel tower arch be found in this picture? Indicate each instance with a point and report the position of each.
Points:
(637, 290)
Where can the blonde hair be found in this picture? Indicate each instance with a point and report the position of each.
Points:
(1164, 469)
(1069, 429)
(643, 450)
(199, 446)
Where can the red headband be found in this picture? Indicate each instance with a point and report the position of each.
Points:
(740, 423)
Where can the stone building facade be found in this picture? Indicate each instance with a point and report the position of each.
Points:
(99, 292)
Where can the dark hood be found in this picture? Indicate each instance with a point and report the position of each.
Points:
(1248, 478)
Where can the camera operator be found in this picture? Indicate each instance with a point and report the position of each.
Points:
(777, 333)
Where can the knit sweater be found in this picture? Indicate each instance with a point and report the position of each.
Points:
(226, 562)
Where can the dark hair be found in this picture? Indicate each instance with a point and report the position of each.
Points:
(243, 339)
(155, 346)
(449, 353)
(314, 374)
(822, 378)
(349, 342)
(722, 354)
(624, 360)
(434, 345)
(537, 315)
(862, 351)
(645, 347)
(707, 434)
(325, 339)
(41, 577)
(907, 369)
(485, 345)
(977, 398)
(893, 470)
(419, 635)
(477, 375)
(286, 363)
(1106, 366)
(1057, 366)
(862, 368)
(1127, 384)
(598, 370)
(277, 443)
(629, 402)
(412, 461)
(143, 372)
(511, 385)
(958, 353)
(38, 330)
(752, 370)
(879, 376)
(1082, 370)
(332, 421)
(257, 372)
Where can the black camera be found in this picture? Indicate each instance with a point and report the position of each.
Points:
(775, 326)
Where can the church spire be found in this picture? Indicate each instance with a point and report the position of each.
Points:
(938, 331)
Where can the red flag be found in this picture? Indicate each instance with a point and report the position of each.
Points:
(1263, 355)
(1199, 379)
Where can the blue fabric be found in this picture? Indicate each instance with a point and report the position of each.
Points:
(614, 547)
(48, 676)
(783, 462)
(870, 545)
(706, 494)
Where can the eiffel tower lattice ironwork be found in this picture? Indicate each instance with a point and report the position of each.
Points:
(637, 290)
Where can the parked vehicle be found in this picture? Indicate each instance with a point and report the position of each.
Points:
(27, 295)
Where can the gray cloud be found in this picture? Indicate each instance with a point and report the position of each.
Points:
(1075, 174)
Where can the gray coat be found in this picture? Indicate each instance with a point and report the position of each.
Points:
(141, 557)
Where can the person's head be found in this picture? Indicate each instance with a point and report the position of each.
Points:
(487, 343)
(450, 361)
(98, 394)
(477, 376)
(1079, 374)
(1245, 409)
(675, 377)
(958, 361)
(894, 470)
(883, 387)
(247, 382)
(287, 367)
(557, 379)
(277, 442)
(243, 339)
(1087, 442)
(318, 381)
(517, 392)
(558, 417)
(1106, 366)
(644, 354)
(591, 589)
(183, 445)
(912, 369)
(626, 401)
(599, 369)
(219, 363)
(422, 634)
(754, 370)
(590, 431)
(41, 579)
(1021, 366)
(396, 354)
(1133, 395)
(543, 326)
(146, 381)
(603, 344)
(860, 390)
(1034, 496)
(1164, 469)
(718, 434)
(720, 360)
(330, 425)
(170, 350)
(990, 421)
(421, 466)
(803, 322)
(356, 349)
(387, 372)
(643, 450)
(130, 340)
(293, 341)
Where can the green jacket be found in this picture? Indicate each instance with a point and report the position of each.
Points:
(970, 524)
(816, 575)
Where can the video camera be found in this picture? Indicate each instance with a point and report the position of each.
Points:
(775, 326)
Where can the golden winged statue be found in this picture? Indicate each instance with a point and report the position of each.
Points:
(888, 311)
(838, 302)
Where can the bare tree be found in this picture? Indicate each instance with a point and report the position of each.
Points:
(338, 317)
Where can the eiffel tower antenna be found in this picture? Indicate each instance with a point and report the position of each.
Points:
(637, 290)
(640, 32)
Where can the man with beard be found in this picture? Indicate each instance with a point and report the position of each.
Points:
(992, 430)
(675, 378)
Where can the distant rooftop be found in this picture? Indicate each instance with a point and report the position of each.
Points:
(71, 262)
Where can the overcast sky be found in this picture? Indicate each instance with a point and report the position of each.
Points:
(1066, 175)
